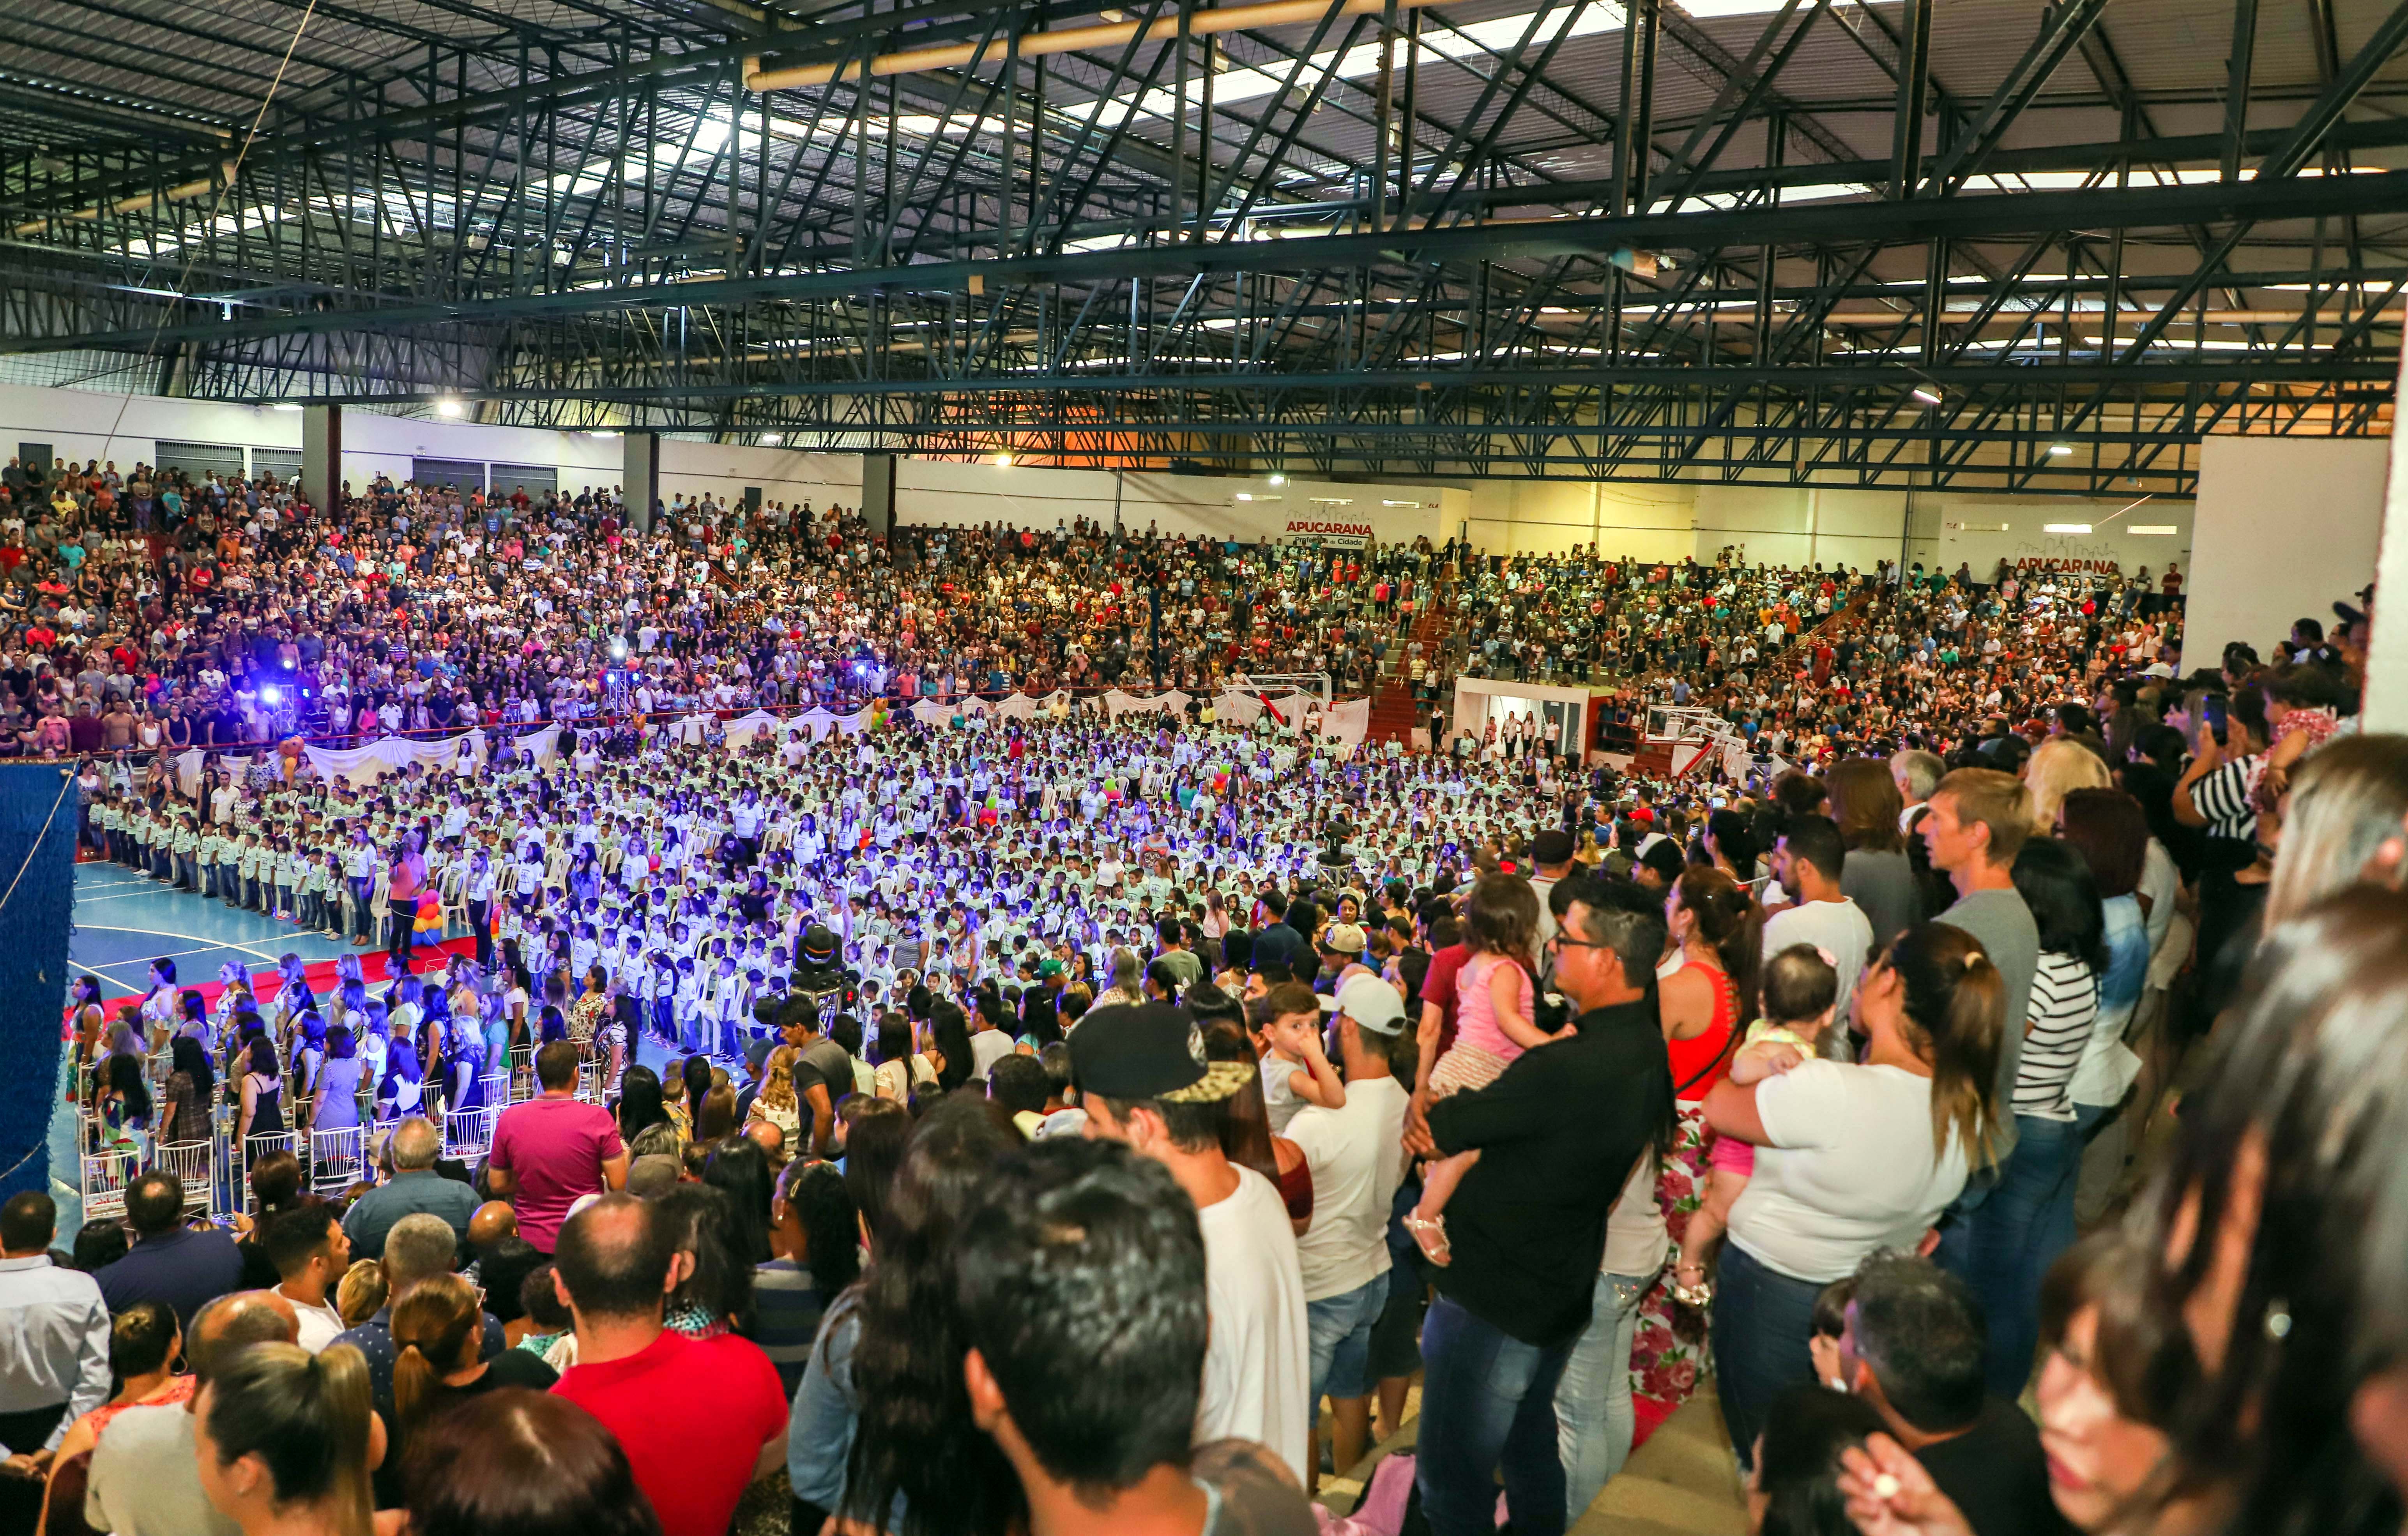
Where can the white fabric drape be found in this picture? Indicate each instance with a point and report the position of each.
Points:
(1348, 722)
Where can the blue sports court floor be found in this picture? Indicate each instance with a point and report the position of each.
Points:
(123, 921)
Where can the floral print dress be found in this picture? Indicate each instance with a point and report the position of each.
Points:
(1669, 1352)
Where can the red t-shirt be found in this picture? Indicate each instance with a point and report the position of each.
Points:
(1437, 985)
(556, 1147)
(692, 1415)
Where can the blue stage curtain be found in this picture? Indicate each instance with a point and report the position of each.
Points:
(37, 837)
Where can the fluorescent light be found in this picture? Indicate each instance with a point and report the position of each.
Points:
(1245, 496)
(2059, 450)
(1400, 504)
(1332, 501)
(1928, 396)
(2065, 527)
(771, 439)
(449, 406)
(1278, 479)
(602, 432)
(2154, 530)
(284, 405)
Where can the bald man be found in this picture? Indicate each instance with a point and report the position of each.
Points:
(770, 1139)
(494, 1221)
(415, 1188)
(144, 1479)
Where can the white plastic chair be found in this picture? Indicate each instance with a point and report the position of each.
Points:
(196, 1163)
(105, 1176)
(467, 1132)
(336, 1158)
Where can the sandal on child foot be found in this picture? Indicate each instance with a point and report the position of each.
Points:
(1431, 1237)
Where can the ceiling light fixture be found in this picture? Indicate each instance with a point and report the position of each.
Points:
(448, 406)
(1927, 395)
(771, 439)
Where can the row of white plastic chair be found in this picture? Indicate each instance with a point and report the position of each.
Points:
(337, 1158)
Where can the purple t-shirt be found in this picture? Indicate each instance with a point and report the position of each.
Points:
(556, 1147)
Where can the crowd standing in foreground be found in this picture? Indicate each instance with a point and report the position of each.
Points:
(1183, 1078)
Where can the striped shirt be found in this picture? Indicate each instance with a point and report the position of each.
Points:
(2222, 796)
(787, 1306)
(2064, 1009)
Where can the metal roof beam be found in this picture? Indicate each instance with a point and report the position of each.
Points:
(1846, 224)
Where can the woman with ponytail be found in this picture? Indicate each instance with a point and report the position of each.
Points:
(286, 1440)
(438, 1334)
(1852, 1158)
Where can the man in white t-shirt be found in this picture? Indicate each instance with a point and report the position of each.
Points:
(1806, 861)
(1356, 1156)
(988, 1045)
(1144, 1080)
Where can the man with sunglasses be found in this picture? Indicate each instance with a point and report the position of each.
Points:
(1560, 1130)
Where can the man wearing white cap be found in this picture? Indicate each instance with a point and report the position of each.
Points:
(1357, 1157)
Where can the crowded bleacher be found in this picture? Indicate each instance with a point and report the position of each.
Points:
(996, 1030)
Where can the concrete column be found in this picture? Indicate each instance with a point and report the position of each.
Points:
(2386, 703)
(878, 493)
(640, 472)
(322, 456)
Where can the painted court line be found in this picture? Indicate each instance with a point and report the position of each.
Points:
(164, 934)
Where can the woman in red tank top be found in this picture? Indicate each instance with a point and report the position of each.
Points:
(1717, 933)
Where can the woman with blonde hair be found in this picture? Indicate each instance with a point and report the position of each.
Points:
(286, 1439)
(2058, 767)
(776, 1102)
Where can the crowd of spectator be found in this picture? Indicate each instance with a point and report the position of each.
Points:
(2009, 1017)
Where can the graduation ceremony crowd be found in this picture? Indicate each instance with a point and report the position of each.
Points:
(1982, 1085)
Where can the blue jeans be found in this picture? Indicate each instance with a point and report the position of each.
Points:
(2058, 1227)
(1488, 1401)
(2007, 1248)
(1339, 1328)
(1762, 1320)
(1594, 1420)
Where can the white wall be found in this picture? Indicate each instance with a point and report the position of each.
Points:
(930, 491)
(2286, 526)
(1981, 530)
(727, 470)
(375, 444)
(82, 424)
(1781, 525)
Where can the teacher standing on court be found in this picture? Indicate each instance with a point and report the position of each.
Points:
(401, 903)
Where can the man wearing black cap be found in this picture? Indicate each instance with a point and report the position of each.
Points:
(1144, 1080)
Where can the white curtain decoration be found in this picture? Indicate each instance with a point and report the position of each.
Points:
(1238, 709)
(741, 729)
(1347, 722)
(391, 754)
